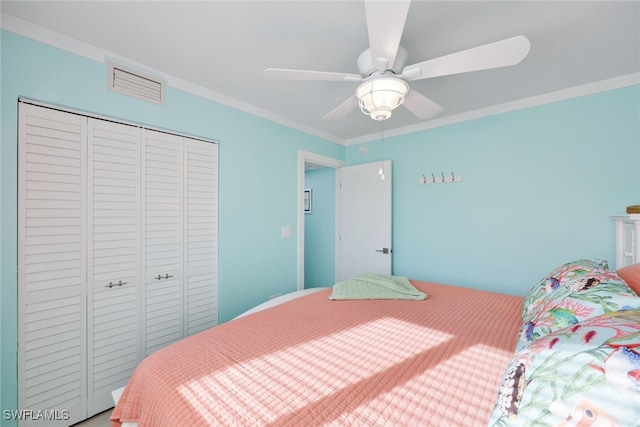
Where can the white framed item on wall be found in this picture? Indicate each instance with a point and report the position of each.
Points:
(307, 200)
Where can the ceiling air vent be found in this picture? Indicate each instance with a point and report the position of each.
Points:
(135, 84)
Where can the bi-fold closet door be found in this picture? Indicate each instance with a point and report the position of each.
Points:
(179, 241)
(113, 258)
(52, 263)
(117, 232)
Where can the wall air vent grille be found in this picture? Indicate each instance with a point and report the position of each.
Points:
(135, 84)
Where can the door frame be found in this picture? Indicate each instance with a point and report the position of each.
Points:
(320, 160)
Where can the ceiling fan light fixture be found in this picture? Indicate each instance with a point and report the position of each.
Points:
(379, 96)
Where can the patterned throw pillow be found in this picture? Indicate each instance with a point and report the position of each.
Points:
(585, 295)
(585, 374)
(558, 277)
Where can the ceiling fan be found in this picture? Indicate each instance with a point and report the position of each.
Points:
(383, 74)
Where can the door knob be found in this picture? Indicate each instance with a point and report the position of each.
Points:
(384, 250)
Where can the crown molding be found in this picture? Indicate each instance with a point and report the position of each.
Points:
(52, 38)
(533, 101)
(35, 32)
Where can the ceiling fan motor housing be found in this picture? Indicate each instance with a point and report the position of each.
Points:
(367, 67)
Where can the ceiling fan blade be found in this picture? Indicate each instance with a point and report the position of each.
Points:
(341, 110)
(421, 106)
(493, 55)
(385, 23)
(285, 74)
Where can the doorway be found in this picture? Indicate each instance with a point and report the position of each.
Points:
(308, 159)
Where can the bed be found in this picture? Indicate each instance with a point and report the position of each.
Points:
(449, 359)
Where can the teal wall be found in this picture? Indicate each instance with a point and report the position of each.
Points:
(319, 229)
(539, 186)
(256, 199)
(2, 324)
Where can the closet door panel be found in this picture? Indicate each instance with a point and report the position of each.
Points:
(52, 262)
(117, 252)
(114, 254)
(162, 239)
(201, 235)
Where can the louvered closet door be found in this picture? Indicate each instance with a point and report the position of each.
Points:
(162, 240)
(114, 277)
(52, 262)
(201, 235)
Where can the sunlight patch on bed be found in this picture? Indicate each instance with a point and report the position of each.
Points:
(263, 389)
(437, 393)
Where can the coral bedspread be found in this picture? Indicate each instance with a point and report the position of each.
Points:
(313, 361)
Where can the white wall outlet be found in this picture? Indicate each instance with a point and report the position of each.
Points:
(286, 232)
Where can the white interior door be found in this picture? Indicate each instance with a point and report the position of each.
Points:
(363, 220)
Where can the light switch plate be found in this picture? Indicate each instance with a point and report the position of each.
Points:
(286, 232)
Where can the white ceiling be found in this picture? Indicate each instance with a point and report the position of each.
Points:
(224, 46)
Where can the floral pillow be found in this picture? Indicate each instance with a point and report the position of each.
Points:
(557, 278)
(585, 374)
(586, 295)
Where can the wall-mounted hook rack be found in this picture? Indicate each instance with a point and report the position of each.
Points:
(440, 179)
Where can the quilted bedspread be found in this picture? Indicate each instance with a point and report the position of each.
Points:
(313, 361)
